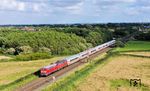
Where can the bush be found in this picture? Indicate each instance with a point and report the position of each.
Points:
(10, 51)
(119, 43)
(45, 49)
(33, 56)
(2, 50)
(24, 50)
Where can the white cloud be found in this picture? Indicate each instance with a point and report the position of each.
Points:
(22, 5)
(76, 6)
(12, 5)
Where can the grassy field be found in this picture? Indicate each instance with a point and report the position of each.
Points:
(11, 71)
(117, 79)
(146, 54)
(2, 57)
(136, 46)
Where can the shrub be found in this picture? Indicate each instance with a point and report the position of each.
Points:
(119, 43)
(10, 51)
(1, 50)
(32, 56)
(24, 50)
(45, 49)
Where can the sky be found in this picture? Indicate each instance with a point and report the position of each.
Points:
(73, 11)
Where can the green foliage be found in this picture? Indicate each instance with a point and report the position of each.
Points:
(119, 82)
(143, 36)
(10, 51)
(93, 35)
(32, 56)
(57, 42)
(95, 38)
(135, 46)
(45, 49)
(119, 43)
(122, 32)
(24, 50)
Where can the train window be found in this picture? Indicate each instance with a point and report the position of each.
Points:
(84, 54)
(74, 59)
(93, 51)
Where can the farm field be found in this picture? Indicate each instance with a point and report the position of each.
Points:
(11, 71)
(136, 46)
(4, 57)
(124, 69)
(146, 54)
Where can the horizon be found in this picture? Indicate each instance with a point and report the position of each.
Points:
(76, 23)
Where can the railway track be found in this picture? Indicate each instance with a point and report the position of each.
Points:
(37, 84)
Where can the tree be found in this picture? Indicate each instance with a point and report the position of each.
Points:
(95, 38)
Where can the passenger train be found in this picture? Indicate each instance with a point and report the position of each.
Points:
(47, 70)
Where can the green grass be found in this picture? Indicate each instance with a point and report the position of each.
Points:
(14, 74)
(126, 83)
(119, 83)
(135, 46)
(17, 83)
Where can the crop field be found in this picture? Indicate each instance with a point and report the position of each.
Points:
(4, 57)
(146, 54)
(116, 74)
(11, 71)
(136, 46)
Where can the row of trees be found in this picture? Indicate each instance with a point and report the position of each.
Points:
(143, 36)
(58, 40)
(52, 41)
(95, 35)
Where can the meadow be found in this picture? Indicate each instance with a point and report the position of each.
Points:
(144, 54)
(2, 57)
(118, 78)
(10, 72)
(135, 46)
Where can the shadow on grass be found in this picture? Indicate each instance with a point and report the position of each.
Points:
(37, 73)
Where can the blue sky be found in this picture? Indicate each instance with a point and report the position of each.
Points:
(73, 11)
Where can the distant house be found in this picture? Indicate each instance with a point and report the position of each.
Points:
(28, 28)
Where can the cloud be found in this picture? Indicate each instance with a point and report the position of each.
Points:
(12, 5)
(113, 2)
(64, 3)
(88, 9)
(22, 5)
(66, 6)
